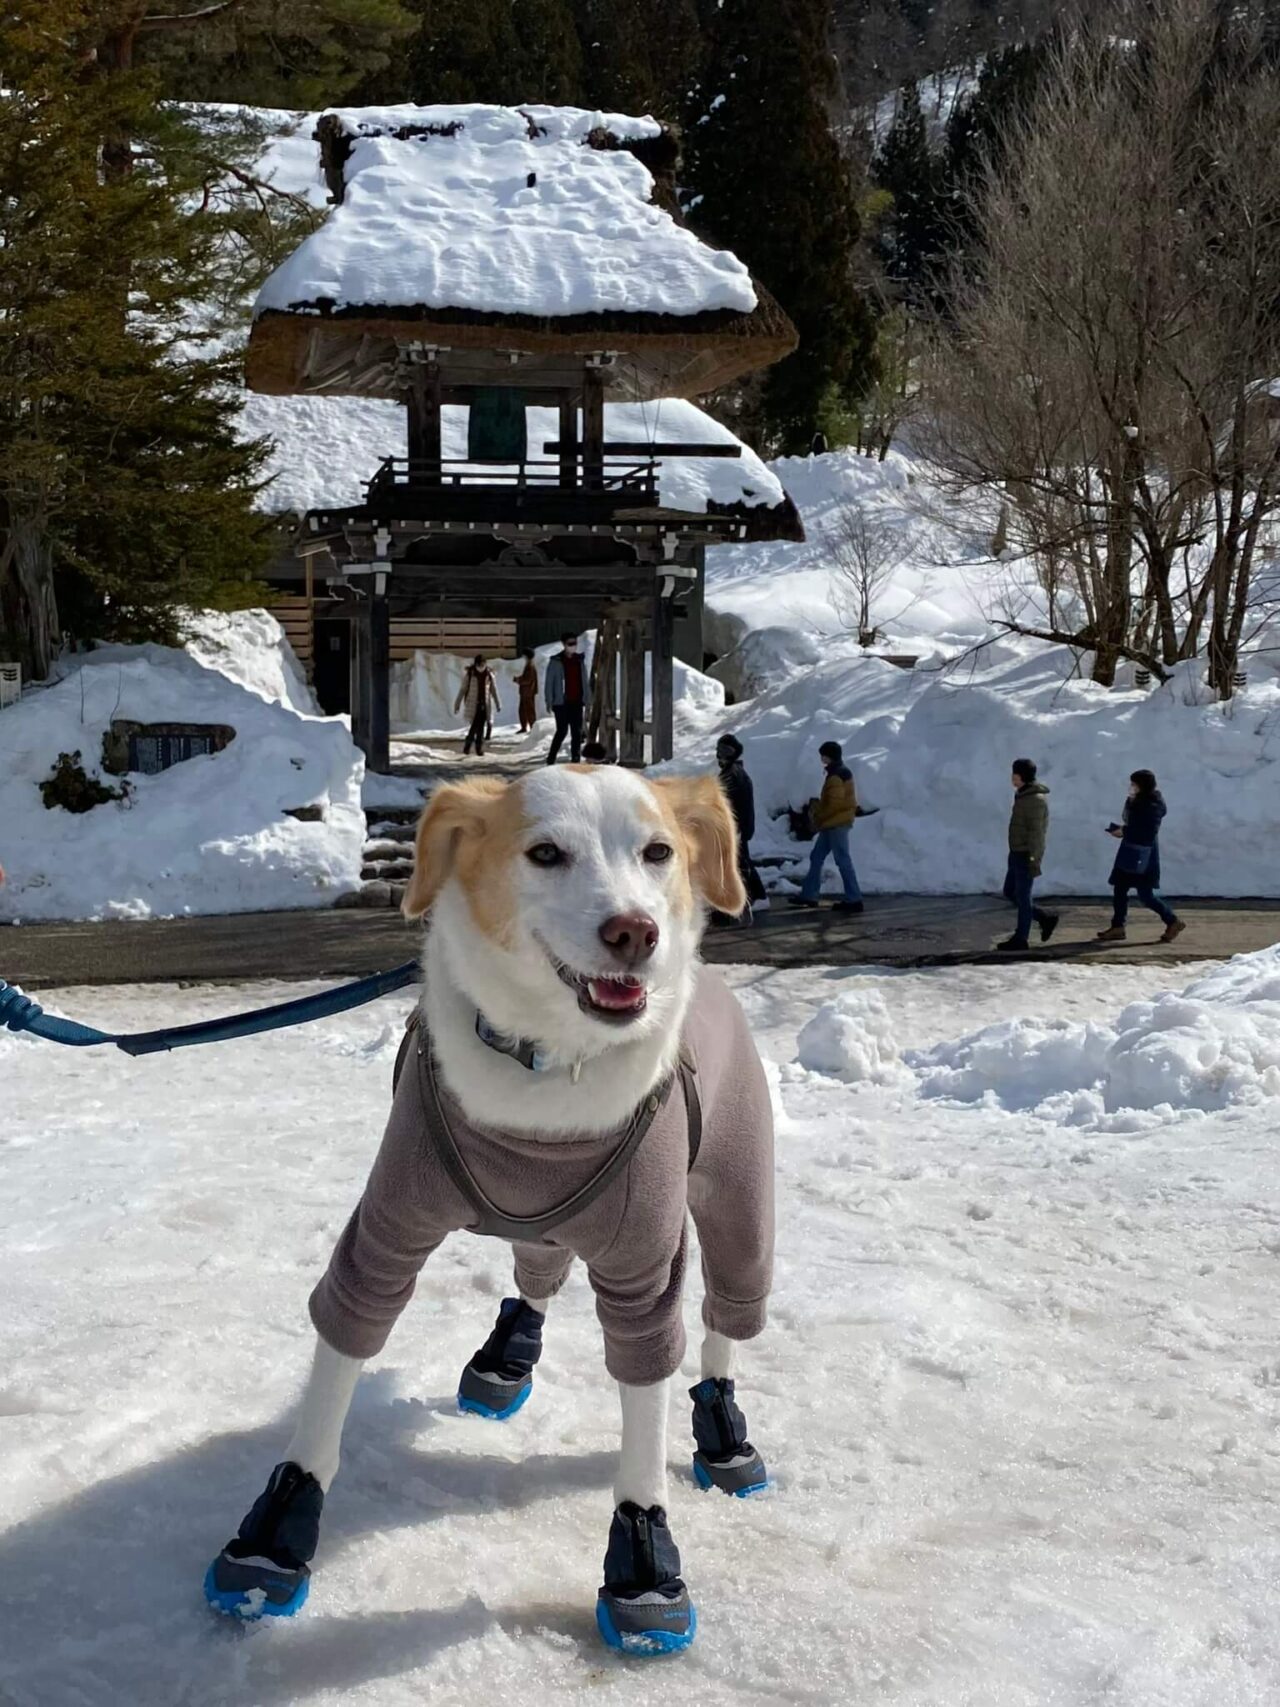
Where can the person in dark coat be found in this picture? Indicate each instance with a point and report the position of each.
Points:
(741, 795)
(527, 683)
(1028, 834)
(1137, 861)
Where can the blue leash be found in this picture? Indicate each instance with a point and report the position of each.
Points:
(19, 1012)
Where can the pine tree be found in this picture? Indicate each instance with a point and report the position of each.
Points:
(639, 56)
(125, 492)
(506, 51)
(910, 240)
(278, 53)
(766, 178)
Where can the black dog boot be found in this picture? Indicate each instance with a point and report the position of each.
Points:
(644, 1607)
(499, 1377)
(725, 1458)
(264, 1572)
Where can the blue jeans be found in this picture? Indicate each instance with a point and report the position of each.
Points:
(1146, 893)
(1018, 884)
(836, 844)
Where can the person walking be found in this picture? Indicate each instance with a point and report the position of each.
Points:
(741, 795)
(1028, 833)
(1137, 862)
(479, 695)
(527, 686)
(566, 695)
(832, 815)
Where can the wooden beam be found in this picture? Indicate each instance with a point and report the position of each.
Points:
(566, 446)
(425, 425)
(631, 745)
(663, 690)
(378, 753)
(642, 449)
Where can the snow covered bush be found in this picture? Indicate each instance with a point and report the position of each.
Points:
(1203, 1048)
(851, 1039)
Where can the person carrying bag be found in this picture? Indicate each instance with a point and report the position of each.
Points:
(1137, 861)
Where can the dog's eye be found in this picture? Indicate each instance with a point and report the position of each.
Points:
(657, 853)
(545, 854)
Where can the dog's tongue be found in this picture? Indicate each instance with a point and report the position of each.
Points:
(620, 993)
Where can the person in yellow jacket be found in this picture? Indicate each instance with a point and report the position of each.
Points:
(832, 813)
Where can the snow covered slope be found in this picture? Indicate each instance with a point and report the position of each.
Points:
(209, 835)
(1041, 1468)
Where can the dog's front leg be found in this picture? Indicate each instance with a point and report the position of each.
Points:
(317, 1432)
(717, 1356)
(642, 1461)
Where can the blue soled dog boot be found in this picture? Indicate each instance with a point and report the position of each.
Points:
(499, 1377)
(644, 1607)
(725, 1458)
(265, 1570)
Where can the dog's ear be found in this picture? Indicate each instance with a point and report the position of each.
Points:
(698, 805)
(454, 814)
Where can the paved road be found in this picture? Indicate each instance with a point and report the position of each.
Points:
(895, 930)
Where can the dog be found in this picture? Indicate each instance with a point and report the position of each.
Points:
(574, 1081)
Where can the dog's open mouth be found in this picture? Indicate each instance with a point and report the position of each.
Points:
(615, 1000)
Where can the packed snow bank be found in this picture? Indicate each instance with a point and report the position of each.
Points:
(933, 751)
(1204, 1048)
(497, 214)
(852, 1039)
(250, 647)
(209, 835)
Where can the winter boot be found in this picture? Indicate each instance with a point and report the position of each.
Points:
(1173, 930)
(1013, 945)
(849, 907)
(499, 1377)
(800, 901)
(1113, 933)
(644, 1607)
(264, 1571)
(725, 1458)
(1048, 925)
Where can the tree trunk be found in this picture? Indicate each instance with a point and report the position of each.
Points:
(28, 608)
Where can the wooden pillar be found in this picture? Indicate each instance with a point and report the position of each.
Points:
(424, 434)
(631, 745)
(361, 679)
(662, 630)
(568, 439)
(593, 428)
(378, 752)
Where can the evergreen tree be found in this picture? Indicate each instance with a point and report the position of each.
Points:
(506, 51)
(278, 53)
(125, 492)
(639, 56)
(1007, 86)
(766, 178)
(910, 238)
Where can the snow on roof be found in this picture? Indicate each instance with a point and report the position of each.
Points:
(327, 447)
(503, 210)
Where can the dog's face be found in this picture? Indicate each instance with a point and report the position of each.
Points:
(571, 902)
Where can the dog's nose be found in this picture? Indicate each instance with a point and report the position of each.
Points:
(630, 937)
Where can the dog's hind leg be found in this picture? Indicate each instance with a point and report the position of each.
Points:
(317, 1432)
(499, 1378)
(717, 1356)
(642, 1460)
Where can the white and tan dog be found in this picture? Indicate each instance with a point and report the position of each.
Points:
(574, 1081)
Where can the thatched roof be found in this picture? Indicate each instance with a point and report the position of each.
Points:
(516, 242)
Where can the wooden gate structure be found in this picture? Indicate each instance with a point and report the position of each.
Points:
(577, 527)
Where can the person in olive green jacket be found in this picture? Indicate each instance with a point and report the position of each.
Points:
(832, 813)
(1028, 832)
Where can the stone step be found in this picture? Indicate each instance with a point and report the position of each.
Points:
(382, 830)
(387, 870)
(392, 814)
(388, 847)
(376, 894)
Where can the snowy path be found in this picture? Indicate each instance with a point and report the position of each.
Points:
(1020, 1393)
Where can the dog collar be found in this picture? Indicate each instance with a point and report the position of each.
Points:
(517, 1048)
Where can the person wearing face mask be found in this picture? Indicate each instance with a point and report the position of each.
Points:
(479, 694)
(740, 794)
(565, 691)
(1137, 862)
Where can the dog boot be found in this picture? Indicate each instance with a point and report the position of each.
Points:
(264, 1571)
(499, 1377)
(725, 1458)
(644, 1607)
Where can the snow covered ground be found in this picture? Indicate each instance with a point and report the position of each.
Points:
(210, 835)
(1019, 1389)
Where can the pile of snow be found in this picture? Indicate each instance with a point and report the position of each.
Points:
(250, 647)
(852, 1039)
(1214, 1044)
(209, 835)
(503, 211)
(326, 448)
(932, 749)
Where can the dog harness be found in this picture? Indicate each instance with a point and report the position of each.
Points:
(493, 1222)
